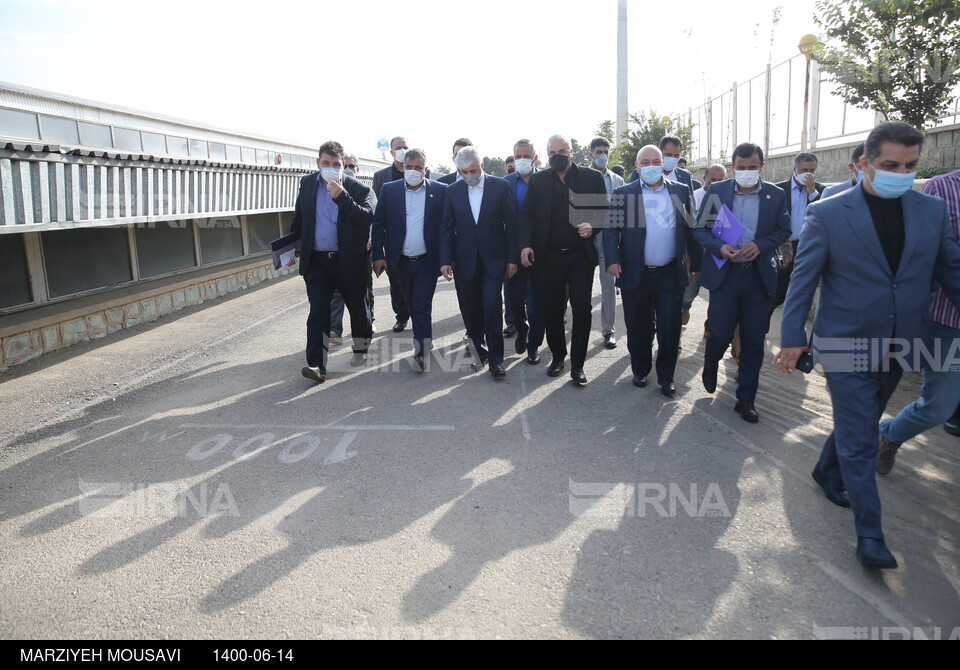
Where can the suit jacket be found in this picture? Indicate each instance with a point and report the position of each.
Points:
(492, 237)
(787, 188)
(390, 223)
(355, 212)
(591, 205)
(448, 179)
(859, 295)
(833, 189)
(625, 236)
(384, 176)
(773, 229)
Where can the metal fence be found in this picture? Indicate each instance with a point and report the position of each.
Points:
(768, 110)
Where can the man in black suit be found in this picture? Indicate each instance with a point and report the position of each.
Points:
(398, 149)
(799, 191)
(645, 242)
(455, 175)
(333, 215)
(478, 235)
(565, 206)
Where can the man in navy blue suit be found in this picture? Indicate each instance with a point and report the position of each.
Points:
(874, 251)
(332, 216)
(478, 237)
(455, 175)
(406, 242)
(524, 290)
(646, 239)
(740, 290)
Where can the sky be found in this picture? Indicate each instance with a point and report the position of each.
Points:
(306, 72)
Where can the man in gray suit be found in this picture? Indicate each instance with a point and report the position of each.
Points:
(599, 155)
(874, 251)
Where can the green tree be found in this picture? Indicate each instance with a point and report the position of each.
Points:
(495, 166)
(579, 156)
(897, 57)
(645, 128)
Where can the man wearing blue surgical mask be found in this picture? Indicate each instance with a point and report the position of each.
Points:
(854, 167)
(873, 251)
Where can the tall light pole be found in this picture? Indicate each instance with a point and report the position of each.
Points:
(622, 107)
(808, 43)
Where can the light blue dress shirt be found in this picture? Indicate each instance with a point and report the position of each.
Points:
(325, 232)
(413, 243)
(799, 200)
(746, 207)
(660, 245)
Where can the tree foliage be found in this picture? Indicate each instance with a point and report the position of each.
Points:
(645, 128)
(897, 57)
(495, 166)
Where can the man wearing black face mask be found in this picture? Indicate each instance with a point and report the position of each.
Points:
(564, 208)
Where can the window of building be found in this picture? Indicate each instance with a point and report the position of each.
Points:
(85, 258)
(233, 153)
(165, 247)
(127, 140)
(262, 229)
(14, 123)
(248, 155)
(14, 276)
(95, 135)
(220, 239)
(177, 146)
(263, 157)
(218, 152)
(198, 149)
(154, 143)
(61, 131)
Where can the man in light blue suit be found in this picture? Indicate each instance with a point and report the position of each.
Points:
(406, 242)
(874, 251)
(741, 289)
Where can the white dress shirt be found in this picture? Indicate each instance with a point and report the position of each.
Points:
(476, 197)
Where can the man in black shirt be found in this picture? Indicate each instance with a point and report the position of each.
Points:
(564, 208)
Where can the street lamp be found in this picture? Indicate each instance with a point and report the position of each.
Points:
(808, 44)
(665, 122)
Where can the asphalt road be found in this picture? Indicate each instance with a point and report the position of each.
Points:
(182, 480)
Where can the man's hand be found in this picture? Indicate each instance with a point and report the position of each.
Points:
(526, 257)
(750, 252)
(511, 270)
(379, 267)
(787, 358)
(695, 276)
(729, 252)
(293, 261)
(614, 270)
(585, 230)
(334, 188)
(447, 272)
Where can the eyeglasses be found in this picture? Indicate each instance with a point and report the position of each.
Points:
(351, 166)
(562, 152)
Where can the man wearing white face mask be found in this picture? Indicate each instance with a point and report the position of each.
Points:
(406, 242)
(741, 288)
(874, 251)
(599, 155)
(398, 149)
(333, 216)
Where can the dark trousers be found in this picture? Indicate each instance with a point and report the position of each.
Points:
(527, 306)
(482, 301)
(418, 281)
(398, 302)
(560, 273)
(783, 284)
(741, 300)
(336, 304)
(322, 277)
(849, 455)
(655, 305)
(507, 304)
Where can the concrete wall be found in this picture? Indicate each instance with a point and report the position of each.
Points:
(26, 335)
(941, 150)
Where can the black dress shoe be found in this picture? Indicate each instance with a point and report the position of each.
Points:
(610, 341)
(887, 456)
(556, 368)
(533, 359)
(418, 363)
(952, 425)
(640, 381)
(747, 411)
(478, 366)
(399, 326)
(669, 390)
(709, 378)
(834, 495)
(578, 377)
(521, 343)
(873, 553)
(316, 374)
(496, 369)
(509, 331)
